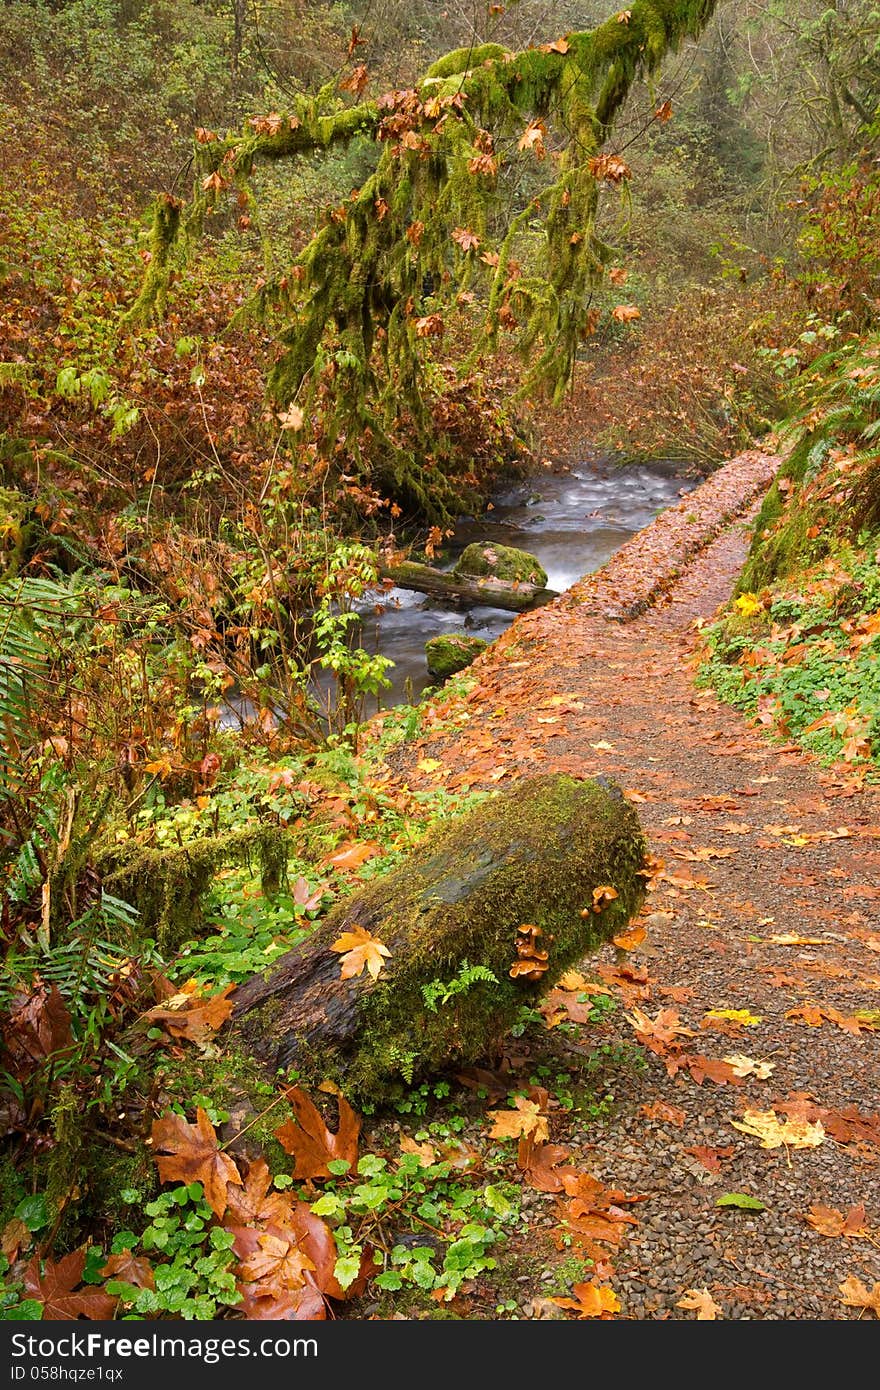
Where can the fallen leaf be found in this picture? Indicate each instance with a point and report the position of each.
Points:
(659, 1032)
(426, 1153)
(630, 940)
(741, 1200)
(192, 1154)
(854, 1294)
(190, 1016)
(828, 1221)
(358, 948)
(309, 1140)
(659, 1110)
(256, 1200)
(765, 1126)
(710, 1158)
(542, 1164)
(524, 1119)
(131, 1269)
(740, 1016)
(277, 1264)
(352, 854)
(702, 1302)
(57, 1289)
(748, 1066)
(591, 1301)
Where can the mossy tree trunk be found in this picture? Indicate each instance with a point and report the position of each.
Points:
(365, 298)
(505, 884)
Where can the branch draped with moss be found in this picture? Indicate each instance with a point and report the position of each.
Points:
(357, 323)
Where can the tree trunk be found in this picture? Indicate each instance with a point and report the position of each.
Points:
(477, 922)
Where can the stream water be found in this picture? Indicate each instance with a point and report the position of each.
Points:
(572, 519)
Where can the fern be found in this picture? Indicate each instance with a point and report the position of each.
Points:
(31, 611)
(437, 993)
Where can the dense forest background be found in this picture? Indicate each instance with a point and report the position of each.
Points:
(182, 532)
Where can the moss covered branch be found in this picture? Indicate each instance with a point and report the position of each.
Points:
(365, 298)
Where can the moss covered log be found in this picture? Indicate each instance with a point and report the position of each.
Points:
(506, 884)
(511, 595)
(167, 885)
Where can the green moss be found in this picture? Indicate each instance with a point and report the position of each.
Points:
(167, 885)
(451, 653)
(484, 560)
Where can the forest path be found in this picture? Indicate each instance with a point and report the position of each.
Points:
(763, 899)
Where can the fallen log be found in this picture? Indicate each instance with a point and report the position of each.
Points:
(490, 592)
(478, 921)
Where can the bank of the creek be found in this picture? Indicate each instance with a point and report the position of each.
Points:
(572, 518)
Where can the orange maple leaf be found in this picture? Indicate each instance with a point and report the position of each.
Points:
(591, 1301)
(856, 1295)
(275, 1265)
(190, 1016)
(702, 1302)
(358, 949)
(828, 1221)
(525, 1119)
(311, 1142)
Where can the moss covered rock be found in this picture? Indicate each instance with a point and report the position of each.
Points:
(485, 560)
(452, 652)
(509, 882)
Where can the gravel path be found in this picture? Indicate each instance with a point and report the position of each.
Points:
(766, 903)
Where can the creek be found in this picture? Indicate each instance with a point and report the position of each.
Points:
(571, 518)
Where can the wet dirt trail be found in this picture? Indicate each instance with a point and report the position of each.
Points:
(762, 940)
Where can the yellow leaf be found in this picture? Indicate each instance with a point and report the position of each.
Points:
(359, 948)
(856, 1295)
(748, 1066)
(748, 605)
(702, 1302)
(573, 979)
(765, 1126)
(427, 1154)
(736, 1016)
(429, 765)
(162, 767)
(526, 1119)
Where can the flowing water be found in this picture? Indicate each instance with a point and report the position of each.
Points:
(572, 519)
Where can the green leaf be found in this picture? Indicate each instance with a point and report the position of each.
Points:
(28, 1311)
(740, 1199)
(33, 1211)
(337, 1166)
(347, 1267)
(67, 383)
(496, 1201)
(391, 1279)
(328, 1205)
